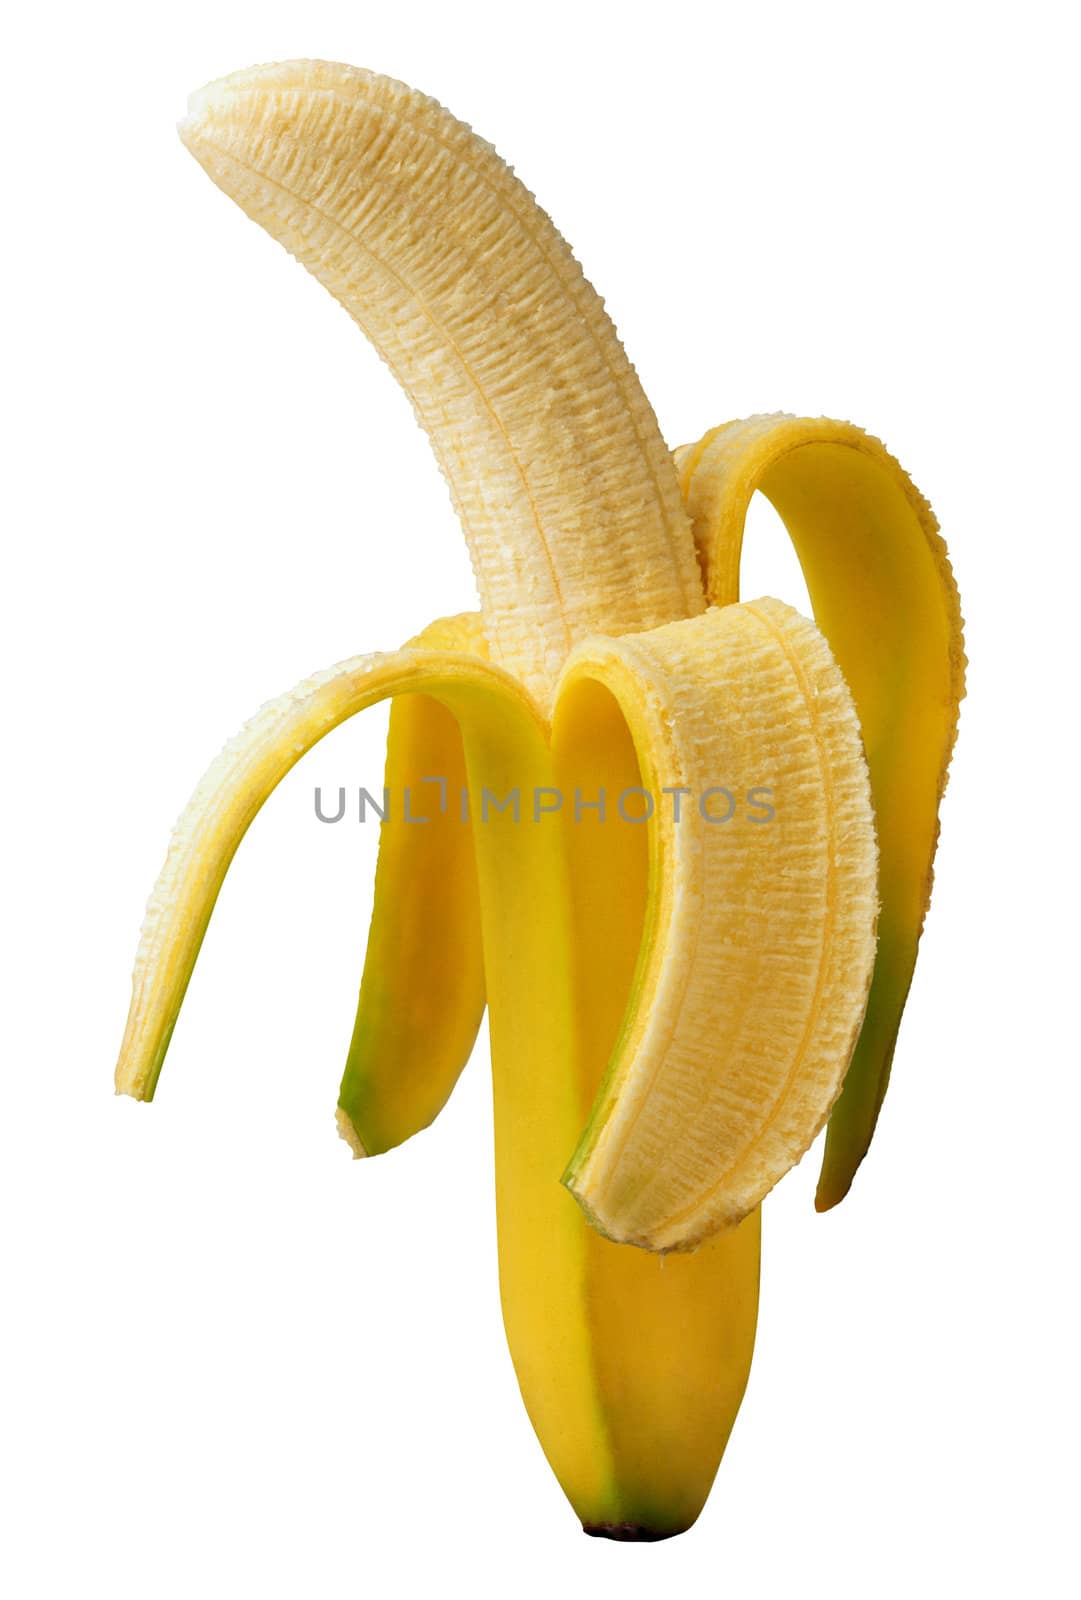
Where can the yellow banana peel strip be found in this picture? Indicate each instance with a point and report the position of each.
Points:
(422, 993)
(883, 593)
(672, 1001)
(226, 802)
(759, 936)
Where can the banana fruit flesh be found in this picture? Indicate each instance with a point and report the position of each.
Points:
(512, 365)
(674, 994)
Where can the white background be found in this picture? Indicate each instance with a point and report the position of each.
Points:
(234, 1362)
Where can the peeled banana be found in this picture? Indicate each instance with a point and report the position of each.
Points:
(668, 888)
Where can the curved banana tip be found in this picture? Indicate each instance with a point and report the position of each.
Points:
(201, 106)
(348, 1132)
(212, 97)
(206, 102)
(826, 1197)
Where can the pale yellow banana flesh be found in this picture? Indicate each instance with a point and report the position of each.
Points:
(564, 486)
(422, 994)
(884, 595)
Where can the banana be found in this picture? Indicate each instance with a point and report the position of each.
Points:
(670, 851)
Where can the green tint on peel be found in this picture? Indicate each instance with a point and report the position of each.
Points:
(853, 1120)
(883, 594)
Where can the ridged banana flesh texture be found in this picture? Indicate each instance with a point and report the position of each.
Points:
(673, 998)
(565, 490)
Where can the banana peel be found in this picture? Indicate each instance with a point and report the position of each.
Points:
(883, 593)
(421, 999)
(674, 994)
